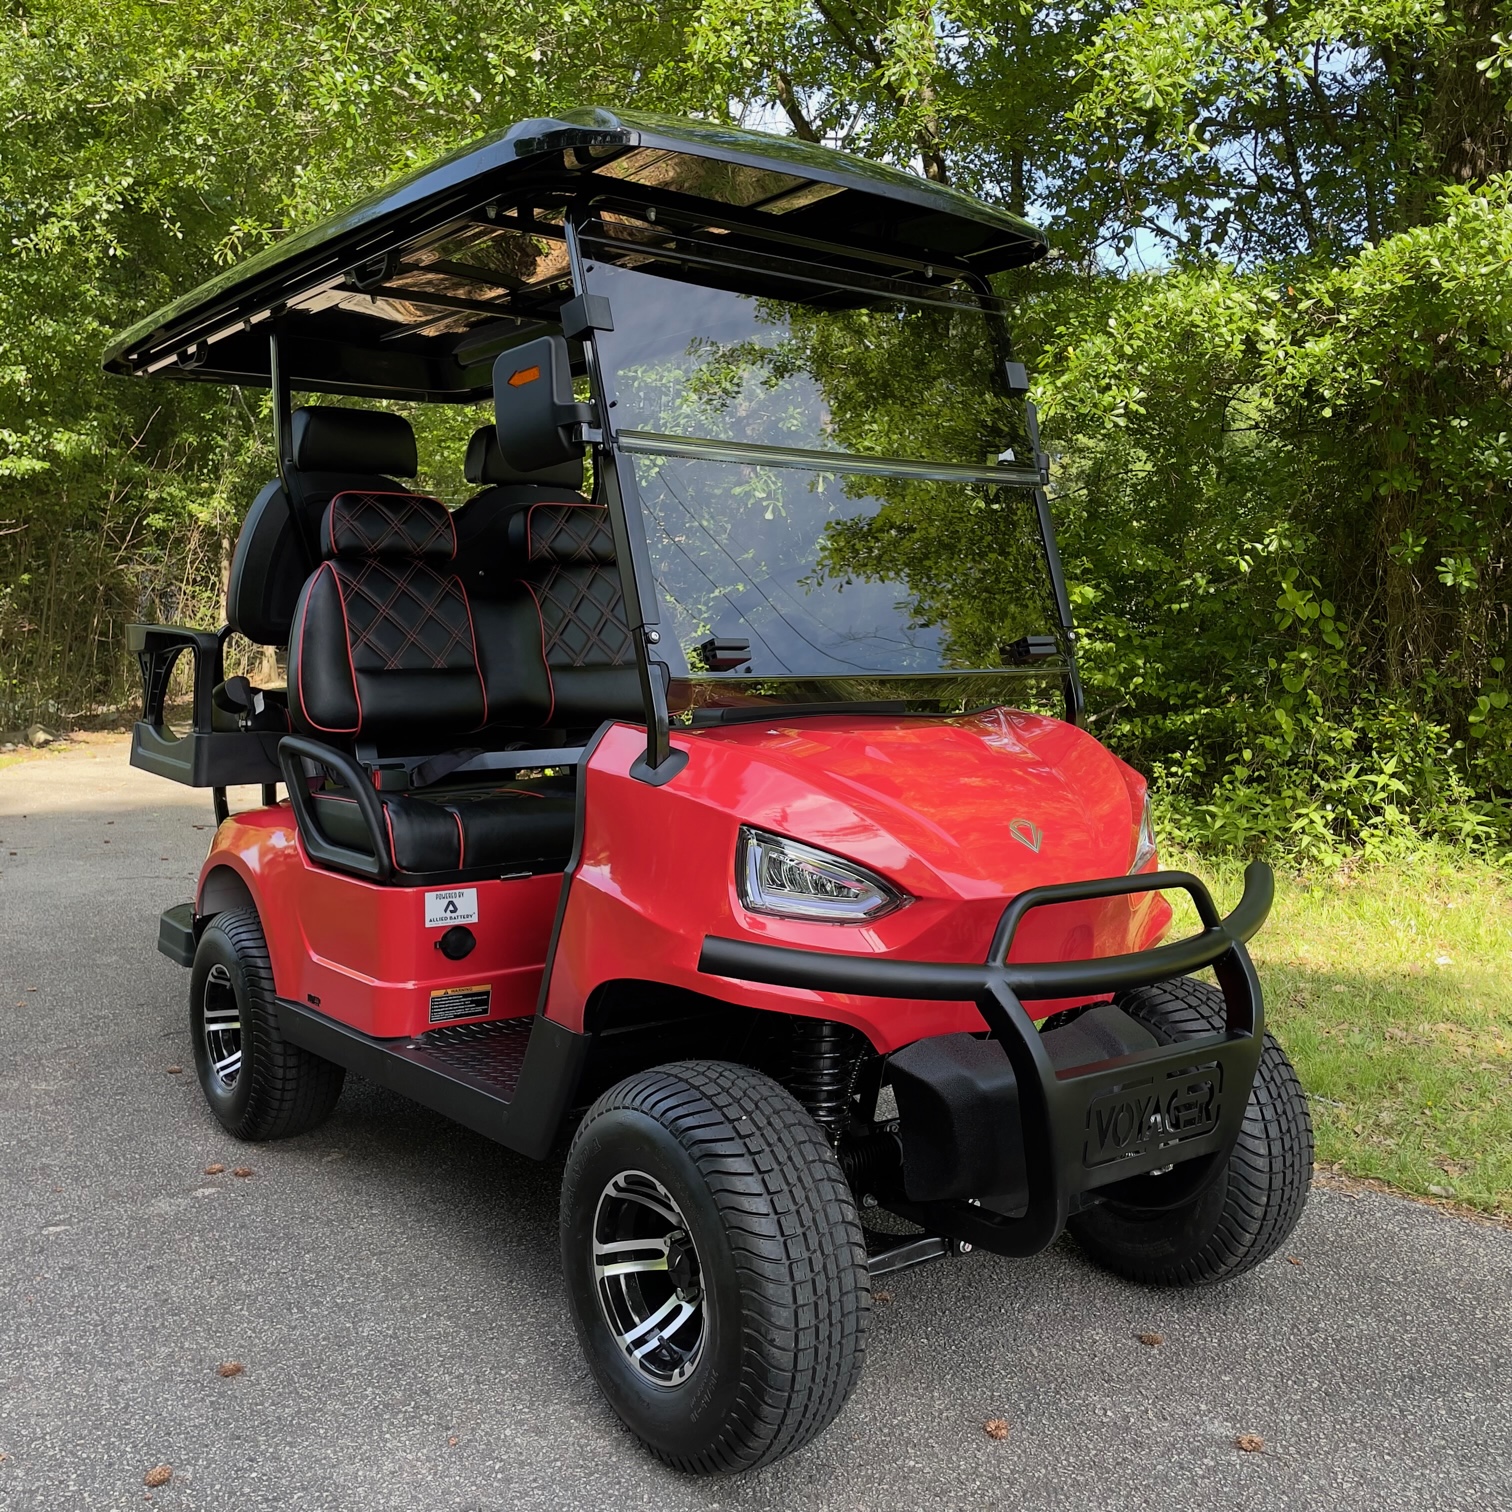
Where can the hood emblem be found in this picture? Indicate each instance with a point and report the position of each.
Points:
(1026, 832)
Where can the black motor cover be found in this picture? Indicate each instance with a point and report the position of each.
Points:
(958, 1104)
(958, 1119)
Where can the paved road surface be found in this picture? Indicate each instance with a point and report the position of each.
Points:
(390, 1284)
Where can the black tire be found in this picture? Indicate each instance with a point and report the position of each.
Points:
(277, 1089)
(778, 1264)
(1254, 1201)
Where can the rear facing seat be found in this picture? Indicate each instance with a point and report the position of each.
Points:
(486, 560)
(333, 450)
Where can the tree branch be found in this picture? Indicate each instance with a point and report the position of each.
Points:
(787, 97)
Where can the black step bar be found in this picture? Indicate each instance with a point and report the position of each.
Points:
(525, 1114)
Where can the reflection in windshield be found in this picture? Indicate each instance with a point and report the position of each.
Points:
(834, 475)
(830, 575)
(915, 379)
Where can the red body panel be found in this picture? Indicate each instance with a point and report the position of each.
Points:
(961, 813)
(929, 804)
(361, 952)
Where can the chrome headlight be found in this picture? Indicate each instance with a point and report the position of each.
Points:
(778, 876)
(1144, 841)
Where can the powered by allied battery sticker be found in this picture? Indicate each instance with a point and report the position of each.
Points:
(452, 905)
(448, 1003)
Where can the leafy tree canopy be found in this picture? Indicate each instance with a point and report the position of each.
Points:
(1272, 351)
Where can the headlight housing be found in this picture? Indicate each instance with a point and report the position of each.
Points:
(1144, 840)
(778, 876)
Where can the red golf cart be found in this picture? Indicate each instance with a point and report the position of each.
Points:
(710, 788)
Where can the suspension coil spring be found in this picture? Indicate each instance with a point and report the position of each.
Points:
(873, 1164)
(822, 1066)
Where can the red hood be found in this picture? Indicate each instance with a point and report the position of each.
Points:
(983, 805)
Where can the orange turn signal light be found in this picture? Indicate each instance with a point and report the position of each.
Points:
(525, 375)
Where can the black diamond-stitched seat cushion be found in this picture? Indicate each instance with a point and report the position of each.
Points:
(519, 826)
(386, 642)
(564, 533)
(383, 644)
(572, 572)
(369, 524)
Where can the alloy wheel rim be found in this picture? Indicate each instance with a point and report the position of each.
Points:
(220, 1024)
(648, 1278)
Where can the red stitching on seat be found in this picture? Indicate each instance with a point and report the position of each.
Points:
(427, 589)
(559, 504)
(346, 628)
(472, 630)
(400, 516)
(461, 841)
(550, 680)
(304, 611)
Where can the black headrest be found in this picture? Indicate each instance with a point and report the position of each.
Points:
(485, 464)
(327, 439)
(361, 524)
(566, 534)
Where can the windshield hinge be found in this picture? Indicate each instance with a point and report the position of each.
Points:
(587, 312)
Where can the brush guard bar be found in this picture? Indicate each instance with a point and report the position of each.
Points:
(1085, 1127)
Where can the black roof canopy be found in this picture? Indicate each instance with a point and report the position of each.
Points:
(411, 293)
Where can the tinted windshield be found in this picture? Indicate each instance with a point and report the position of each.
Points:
(876, 369)
(835, 475)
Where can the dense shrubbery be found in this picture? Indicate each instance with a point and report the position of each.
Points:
(1282, 454)
(1285, 510)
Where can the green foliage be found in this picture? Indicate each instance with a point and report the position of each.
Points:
(1286, 521)
(1273, 354)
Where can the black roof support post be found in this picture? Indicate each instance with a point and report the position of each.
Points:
(283, 442)
(617, 491)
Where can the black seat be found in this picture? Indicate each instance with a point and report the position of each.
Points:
(389, 648)
(487, 562)
(570, 569)
(333, 450)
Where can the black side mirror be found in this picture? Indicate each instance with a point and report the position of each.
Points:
(534, 411)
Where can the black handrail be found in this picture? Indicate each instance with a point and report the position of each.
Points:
(292, 750)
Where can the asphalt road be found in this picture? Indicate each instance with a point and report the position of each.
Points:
(391, 1286)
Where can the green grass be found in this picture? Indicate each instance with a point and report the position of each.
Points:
(1391, 989)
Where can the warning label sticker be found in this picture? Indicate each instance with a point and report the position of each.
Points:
(448, 1003)
(452, 905)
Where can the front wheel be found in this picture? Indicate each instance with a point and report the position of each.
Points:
(1253, 1202)
(715, 1265)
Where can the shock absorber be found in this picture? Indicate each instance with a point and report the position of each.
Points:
(821, 1068)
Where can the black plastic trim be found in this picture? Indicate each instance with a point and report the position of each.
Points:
(1057, 1105)
(529, 1123)
(203, 757)
(177, 935)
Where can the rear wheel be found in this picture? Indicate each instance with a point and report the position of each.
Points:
(715, 1265)
(1254, 1201)
(257, 1084)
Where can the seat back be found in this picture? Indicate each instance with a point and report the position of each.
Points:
(570, 571)
(386, 643)
(486, 561)
(332, 450)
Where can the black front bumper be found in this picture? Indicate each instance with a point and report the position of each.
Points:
(1088, 1126)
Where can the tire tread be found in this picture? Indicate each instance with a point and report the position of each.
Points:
(292, 1089)
(1268, 1174)
(791, 1223)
